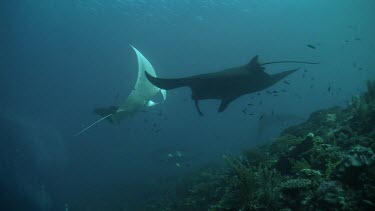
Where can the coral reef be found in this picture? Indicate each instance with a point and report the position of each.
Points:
(325, 163)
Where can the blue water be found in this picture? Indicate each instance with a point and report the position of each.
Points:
(59, 60)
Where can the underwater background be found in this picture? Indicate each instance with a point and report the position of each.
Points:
(59, 60)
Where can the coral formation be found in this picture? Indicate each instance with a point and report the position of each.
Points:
(325, 163)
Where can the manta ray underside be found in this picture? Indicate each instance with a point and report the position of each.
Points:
(139, 98)
(226, 85)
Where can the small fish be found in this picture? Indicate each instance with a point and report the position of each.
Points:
(251, 114)
(275, 91)
(261, 116)
(286, 82)
(329, 88)
(250, 104)
(178, 165)
(357, 38)
(244, 110)
(298, 96)
(283, 90)
(157, 130)
(311, 46)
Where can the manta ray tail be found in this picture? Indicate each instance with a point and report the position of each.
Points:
(106, 113)
(167, 83)
(96, 122)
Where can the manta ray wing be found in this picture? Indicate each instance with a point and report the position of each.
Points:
(138, 99)
(142, 85)
(167, 84)
(228, 84)
(143, 90)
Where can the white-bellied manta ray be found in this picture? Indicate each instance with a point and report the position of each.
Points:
(226, 85)
(139, 98)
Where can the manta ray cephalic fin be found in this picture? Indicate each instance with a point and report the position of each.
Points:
(151, 103)
(164, 93)
(224, 104)
(197, 107)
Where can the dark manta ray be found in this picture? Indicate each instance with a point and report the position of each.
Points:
(226, 85)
